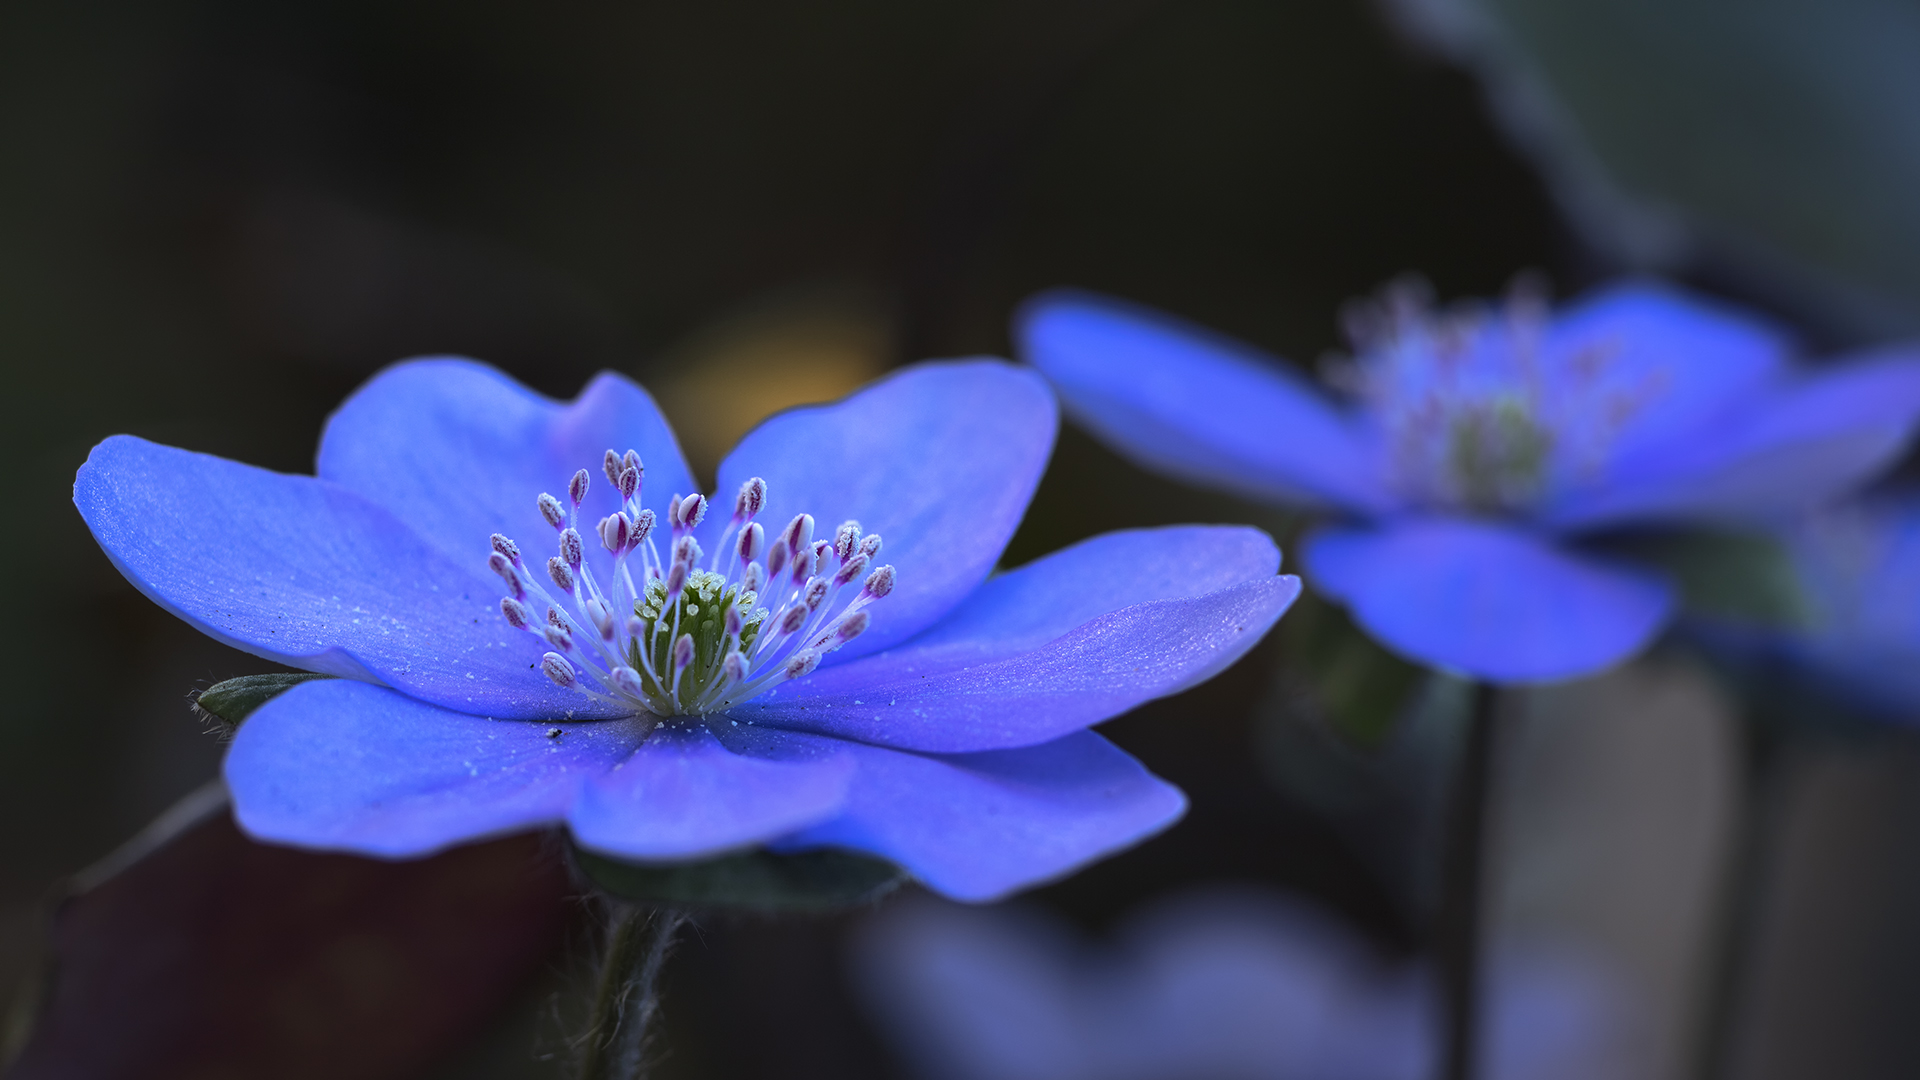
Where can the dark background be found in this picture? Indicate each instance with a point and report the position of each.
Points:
(217, 218)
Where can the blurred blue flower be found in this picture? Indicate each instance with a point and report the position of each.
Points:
(1226, 985)
(1856, 573)
(1481, 442)
(663, 702)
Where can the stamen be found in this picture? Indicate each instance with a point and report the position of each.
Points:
(675, 639)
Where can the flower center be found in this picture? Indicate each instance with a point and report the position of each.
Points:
(680, 639)
(1477, 414)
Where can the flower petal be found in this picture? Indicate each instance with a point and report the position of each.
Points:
(1795, 447)
(1490, 601)
(685, 794)
(348, 766)
(306, 573)
(459, 451)
(1183, 400)
(1692, 359)
(940, 459)
(964, 691)
(979, 826)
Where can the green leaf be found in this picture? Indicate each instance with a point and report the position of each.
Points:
(1746, 577)
(231, 702)
(824, 880)
(1359, 688)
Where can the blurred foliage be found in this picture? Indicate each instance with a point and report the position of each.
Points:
(1741, 577)
(759, 881)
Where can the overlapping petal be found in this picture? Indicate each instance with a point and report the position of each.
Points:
(965, 693)
(1186, 401)
(1794, 447)
(345, 765)
(1490, 601)
(940, 459)
(1683, 360)
(980, 826)
(686, 794)
(459, 451)
(304, 572)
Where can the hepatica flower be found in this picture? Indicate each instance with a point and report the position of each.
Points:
(1465, 453)
(538, 619)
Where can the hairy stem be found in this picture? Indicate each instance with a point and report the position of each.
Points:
(1457, 923)
(627, 999)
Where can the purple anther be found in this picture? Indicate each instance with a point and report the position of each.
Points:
(686, 550)
(632, 461)
(870, 546)
(850, 571)
(753, 577)
(498, 564)
(734, 667)
(627, 681)
(793, 619)
(577, 488)
(693, 510)
(809, 561)
(846, 539)
(673, 513)
(777, 557)
(683, 652)
(506, 547)
(614, 532)
(561, 574)
(880, 582)
(554, 618)
(551, 509)
(798, 535)
(572, 548)
(557, 637)
(802, 663)
(601, 618)
(816, 593)
(852, 626)
(635, 627)
(676, 580)
(734, 620)
(752, 498)
(611, 465)
(642, 528)
(629, 482)
(753, 539)
(515, 612)
(556, 668)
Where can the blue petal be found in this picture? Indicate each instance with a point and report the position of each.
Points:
(939, 459)
(1694, 359)
(459, 451)
(348, 766)
(686, 794)
(1186, 401)
(1062, 643)
(304, 572)
(1488, 601)
(1796, 446)
(979, 826)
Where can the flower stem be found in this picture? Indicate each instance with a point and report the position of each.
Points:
(1759, 808)
(1457, 923)
(627, 999)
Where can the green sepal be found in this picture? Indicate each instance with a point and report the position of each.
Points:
(1743, 577)
(231, 702)
(819, 881)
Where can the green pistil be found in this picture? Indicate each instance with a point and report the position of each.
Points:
(1498, 453)
(702, 609)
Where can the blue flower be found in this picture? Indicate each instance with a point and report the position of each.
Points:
(1477, 446)
(673, 682)
(1229, 984)
(1856, 577)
